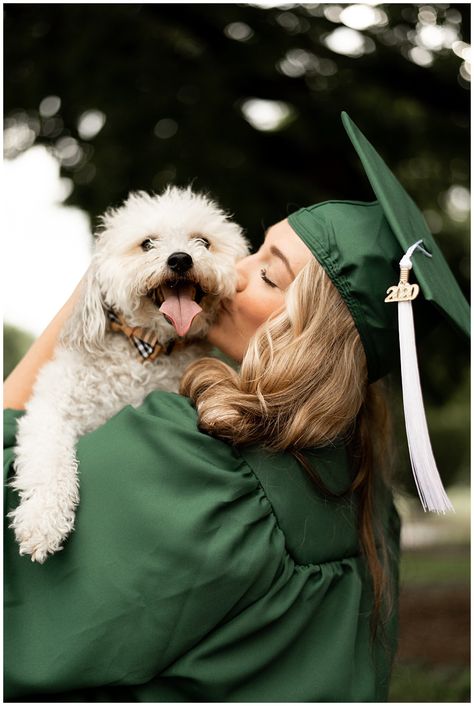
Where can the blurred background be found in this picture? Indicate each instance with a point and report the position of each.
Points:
(243, 100)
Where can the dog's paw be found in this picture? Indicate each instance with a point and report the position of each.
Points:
(41, 527)
(38, 547)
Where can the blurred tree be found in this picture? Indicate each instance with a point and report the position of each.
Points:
(244, 101)
(15, 344)
(173, 84)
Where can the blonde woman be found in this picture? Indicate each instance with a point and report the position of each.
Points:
(237, 542)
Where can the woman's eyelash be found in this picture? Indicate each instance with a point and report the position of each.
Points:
(263, 274)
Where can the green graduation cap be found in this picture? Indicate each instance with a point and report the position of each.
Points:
(370, 250)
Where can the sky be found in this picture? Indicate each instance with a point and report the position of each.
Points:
(47, 246)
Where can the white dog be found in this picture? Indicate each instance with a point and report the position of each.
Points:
(161, 267)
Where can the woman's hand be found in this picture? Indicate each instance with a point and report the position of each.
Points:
(18, 386)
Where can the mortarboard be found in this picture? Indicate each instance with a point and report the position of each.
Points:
(368, 251)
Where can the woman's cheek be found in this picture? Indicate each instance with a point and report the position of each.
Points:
(259, 315)
(266, 307)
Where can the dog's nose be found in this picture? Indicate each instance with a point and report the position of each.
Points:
(180, 262)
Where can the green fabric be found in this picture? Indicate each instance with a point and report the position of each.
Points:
(195, 573)
(353, 242)
(408, 225)
(360, 246)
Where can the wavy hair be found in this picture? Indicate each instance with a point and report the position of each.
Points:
(303, 384)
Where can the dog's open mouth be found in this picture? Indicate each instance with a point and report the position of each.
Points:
(178, 301)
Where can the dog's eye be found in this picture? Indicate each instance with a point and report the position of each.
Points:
(147, 244)
(203, 241)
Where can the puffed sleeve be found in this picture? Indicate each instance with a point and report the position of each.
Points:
(172, 536)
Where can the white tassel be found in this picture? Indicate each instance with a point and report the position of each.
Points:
(428, 482)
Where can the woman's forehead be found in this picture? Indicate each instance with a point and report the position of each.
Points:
(282, 236)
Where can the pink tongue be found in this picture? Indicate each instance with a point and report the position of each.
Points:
(179, 307)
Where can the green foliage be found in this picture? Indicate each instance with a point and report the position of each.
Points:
(172, 81)
(144, 63)
(15, 344)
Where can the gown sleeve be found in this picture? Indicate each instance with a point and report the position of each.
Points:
(172, 537)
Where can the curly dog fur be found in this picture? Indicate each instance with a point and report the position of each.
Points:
(95, 372)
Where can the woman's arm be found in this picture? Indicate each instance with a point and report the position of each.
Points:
(18, 386)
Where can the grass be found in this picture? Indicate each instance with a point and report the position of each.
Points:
(440, 566)
(422, 683)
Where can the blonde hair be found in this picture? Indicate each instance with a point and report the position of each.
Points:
(302, 384)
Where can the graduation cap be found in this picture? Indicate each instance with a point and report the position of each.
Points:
(370, 251)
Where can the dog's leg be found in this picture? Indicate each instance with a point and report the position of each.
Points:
(46, 467)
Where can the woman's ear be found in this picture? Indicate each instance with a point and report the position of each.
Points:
(87, 324)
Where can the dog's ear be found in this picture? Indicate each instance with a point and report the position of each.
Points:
(87, 324)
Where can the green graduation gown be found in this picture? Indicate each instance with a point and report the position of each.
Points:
(196, 572)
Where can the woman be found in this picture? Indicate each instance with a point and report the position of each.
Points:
(236, 543)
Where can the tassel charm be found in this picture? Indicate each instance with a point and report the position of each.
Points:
(427, 479)
(403, 291)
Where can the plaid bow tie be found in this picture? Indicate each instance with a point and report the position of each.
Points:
(144, 341)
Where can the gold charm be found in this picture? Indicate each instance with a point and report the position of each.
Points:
(403, 291)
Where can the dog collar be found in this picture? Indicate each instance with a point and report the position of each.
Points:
(145, 342)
